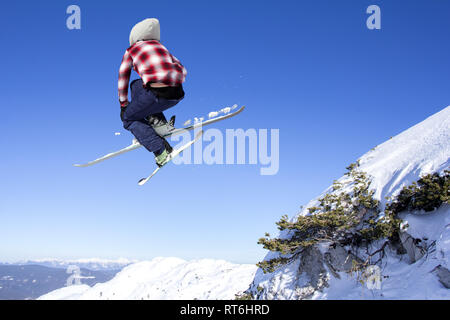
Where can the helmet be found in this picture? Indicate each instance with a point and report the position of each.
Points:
(147, 29)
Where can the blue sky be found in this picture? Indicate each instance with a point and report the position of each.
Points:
(311, 69)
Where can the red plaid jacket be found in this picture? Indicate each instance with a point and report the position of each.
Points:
(153, 62)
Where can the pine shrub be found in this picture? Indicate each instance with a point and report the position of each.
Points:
(428, 194)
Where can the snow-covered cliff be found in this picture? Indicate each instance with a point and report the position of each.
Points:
(403, 159)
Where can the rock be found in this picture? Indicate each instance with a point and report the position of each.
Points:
(312, 264)
(338, 259)
(444, 275)
(413, 246)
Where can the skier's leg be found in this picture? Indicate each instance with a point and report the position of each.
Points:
(138, 109)
(146, 102)
(146, 135)
(167, 98)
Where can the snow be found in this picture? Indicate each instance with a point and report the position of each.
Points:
(403, 159)
(167, 278)
(422, 149)
(226, 110)
(427, 225)
(213, 114)
(66, 293)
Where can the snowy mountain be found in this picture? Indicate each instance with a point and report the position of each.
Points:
(167, 278)
(95, 264)
(420, 272)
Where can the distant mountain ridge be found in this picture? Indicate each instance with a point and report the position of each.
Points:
(95, 264)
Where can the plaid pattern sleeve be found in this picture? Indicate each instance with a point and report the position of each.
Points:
(175, 60)
(153, 62)
(124, 77)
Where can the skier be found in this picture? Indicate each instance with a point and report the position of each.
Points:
(159, 87)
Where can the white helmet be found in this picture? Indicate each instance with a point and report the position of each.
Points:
(147, 29)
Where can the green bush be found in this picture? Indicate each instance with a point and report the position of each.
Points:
(427, 194)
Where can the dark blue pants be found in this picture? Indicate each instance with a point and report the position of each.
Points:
(144, 103)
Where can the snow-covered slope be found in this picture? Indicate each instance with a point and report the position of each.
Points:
(422, 149)
(167, 278)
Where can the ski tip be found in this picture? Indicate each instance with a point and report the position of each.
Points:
(81, 165)
(142, 181)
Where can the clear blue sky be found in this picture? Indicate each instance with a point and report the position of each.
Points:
(309, 68)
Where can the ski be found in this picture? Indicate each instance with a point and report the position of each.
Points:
(136, 144)
(172, 155)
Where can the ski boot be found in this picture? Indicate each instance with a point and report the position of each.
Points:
(165, 156)
(160, 124)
